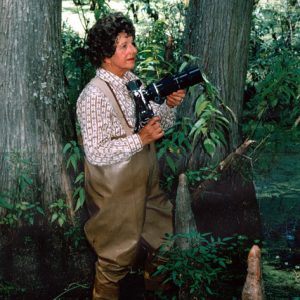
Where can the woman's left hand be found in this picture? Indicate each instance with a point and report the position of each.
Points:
(175, 98)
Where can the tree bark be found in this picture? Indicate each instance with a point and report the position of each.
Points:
(38, 261)
(217, 32)
(32, 108)
(184, 217)
(253, 288)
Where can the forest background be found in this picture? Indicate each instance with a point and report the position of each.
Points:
(270, 117)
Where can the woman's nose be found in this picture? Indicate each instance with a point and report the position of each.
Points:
(134, 48)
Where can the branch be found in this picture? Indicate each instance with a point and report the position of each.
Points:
(223, 166)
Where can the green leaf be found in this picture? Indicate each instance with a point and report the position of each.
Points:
(198, 124)
(209, 146)
(76, 192)
(80, 177)
(160, 153)
(215, 137)
(27, 179)
(209, 291)
(54, 217)
(73, 161)
(171, 164)
(181, 138)
(222, 263)
(4, 203)
(40, 210)
(274, 101)
(81, 199)
(201, 105)
(66, 148)
(61, 220)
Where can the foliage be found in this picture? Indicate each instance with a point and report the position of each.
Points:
(75, 157)
(59, 211)
(152, 64)
(8, 289)
(75, 234)
(18, 202)
(77, 68)
(172, 148)
(211, 124)
(274, 72)
(20, 213)
(200, 175)
(99, 7)
(198, 270)
(159, 37)
(209, 127)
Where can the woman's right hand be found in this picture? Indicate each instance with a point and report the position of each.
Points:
(151, 132)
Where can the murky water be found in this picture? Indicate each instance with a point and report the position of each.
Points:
(278, 194)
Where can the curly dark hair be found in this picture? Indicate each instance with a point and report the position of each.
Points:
(101, 39)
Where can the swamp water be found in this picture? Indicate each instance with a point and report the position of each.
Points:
(277, 181)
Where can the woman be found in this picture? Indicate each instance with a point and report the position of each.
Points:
(127, 207)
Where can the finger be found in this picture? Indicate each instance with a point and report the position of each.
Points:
(153, 121)
(160, 134)
(156, 119)
(179, 93)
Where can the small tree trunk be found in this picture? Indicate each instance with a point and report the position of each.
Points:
(253, 288)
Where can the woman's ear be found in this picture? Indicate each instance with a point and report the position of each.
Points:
(106, 61)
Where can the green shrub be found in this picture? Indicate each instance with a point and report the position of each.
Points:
(273, 82)
(198, 270)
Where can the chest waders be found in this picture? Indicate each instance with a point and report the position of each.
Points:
(126, 206)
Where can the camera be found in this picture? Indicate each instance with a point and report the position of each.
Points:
(157, 92)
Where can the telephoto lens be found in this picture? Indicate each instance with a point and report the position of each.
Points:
(157, 91)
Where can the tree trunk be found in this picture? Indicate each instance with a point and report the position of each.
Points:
(32, 107)
(218, 33)
(37, 261)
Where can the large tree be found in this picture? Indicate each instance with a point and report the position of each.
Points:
(33, 115)
(32, 108)
(218, 33)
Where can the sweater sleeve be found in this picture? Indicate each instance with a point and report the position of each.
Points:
(104, 139)
(167, 114)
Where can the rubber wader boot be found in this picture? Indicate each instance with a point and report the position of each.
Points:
(105, 289)
(155, 282)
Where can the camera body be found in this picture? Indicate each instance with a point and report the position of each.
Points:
(157, 92)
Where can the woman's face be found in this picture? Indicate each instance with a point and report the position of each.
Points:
(123, 59)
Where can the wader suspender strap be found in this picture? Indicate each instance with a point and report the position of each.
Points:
(105, 87)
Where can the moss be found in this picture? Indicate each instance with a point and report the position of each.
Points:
(281, 284)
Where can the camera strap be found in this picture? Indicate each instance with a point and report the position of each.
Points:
(107, 90)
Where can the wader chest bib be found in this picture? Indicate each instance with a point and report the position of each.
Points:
(125, 204)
